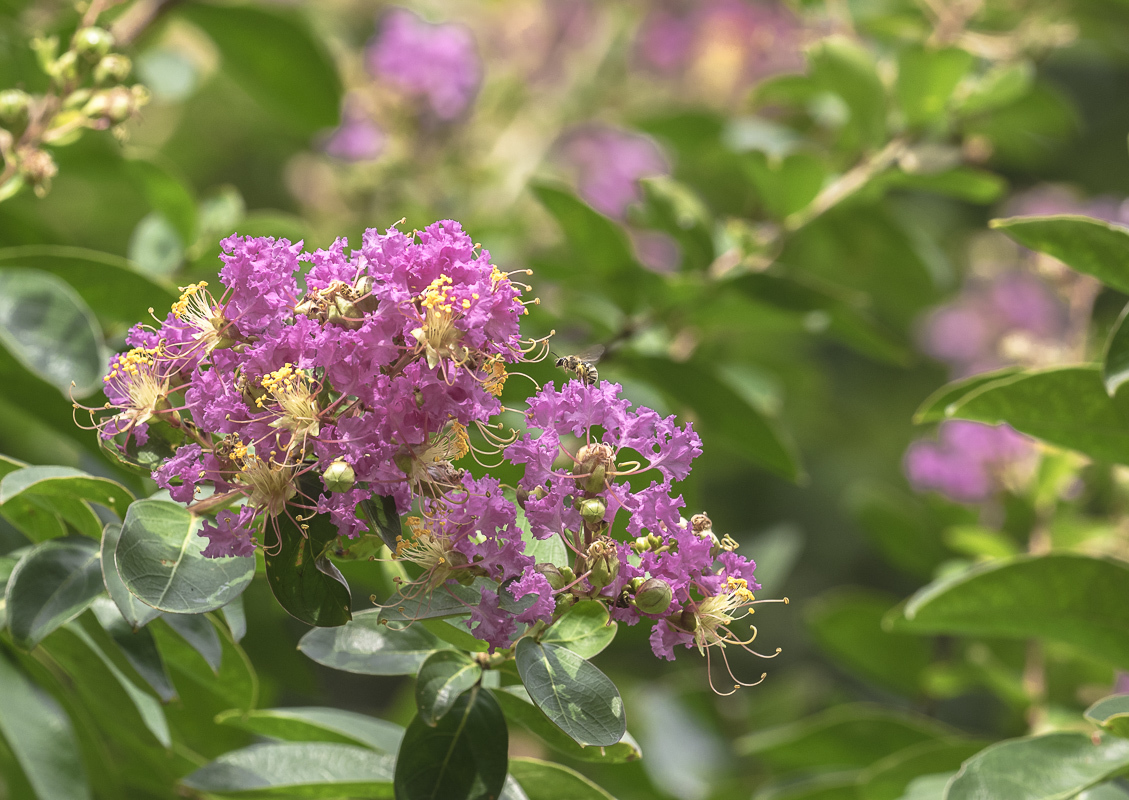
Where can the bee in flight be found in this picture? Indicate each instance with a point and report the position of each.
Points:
(583, 365)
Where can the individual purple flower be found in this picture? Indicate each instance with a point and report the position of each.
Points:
(186, 468)
(261, 274)
(608, 162)
(969, 462)
(231, 534)
(357, 138)
(533, 583)
(438, 63)
(490, 622)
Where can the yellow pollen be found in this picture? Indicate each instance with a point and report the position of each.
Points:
(187, 292)
(497, 379)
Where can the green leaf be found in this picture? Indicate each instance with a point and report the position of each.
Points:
(159, 559)
(1000, 86)
(926, 80)
(448, 600)
(731, 420)
(1065, 406)
(936, 406)
(296, 770)
(832, 786)
(136, 613)
(453, 630)
(889, 778)
(544, 781)
(382, 516)
(544, 551)
(313, 724)
(138, 647)
(197, 630)
(843, 737)
(1052, 767)
(276, 58)
(115, 289)
(848, 70)
(575, 695)
(147, 707)
(1088, 245)
(1111, 713)
(305, 582)
(54, 482)
(785, 185)
(167, 194)
(962, 183)
(155, 246)
(52, 584)
(51, 331)
(442, 679)
(1115, 360)
(847, 624)
(928, 787)
(584, 629)
(236, 618)
(31, 519)
(41, 738)
(463, 756)
(519, 708)
(368, 646)
(1062, 597)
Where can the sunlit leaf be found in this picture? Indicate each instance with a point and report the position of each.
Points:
(312, 724)
(369, 646)
(542, 780)
(291, 769)
(1088, 245)
(584, 629)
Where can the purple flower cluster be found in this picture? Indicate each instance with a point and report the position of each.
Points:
(436, 63)
(595, 467)
(608, 162)
(721, 44)
(969, 462)
(370, 369)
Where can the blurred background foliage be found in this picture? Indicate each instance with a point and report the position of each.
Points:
(773, 219)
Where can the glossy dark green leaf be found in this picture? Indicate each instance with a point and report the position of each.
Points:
(383, 518)
(1088, 245)
(847, 736)
(136, 613)
(1052, 767)
(159, 560)
(889, 778)
(304, 581)
(926, 80)
(138, 647)
(55, 482)
(847, 625)
(277, 59)
(463, 756)
(313, 724)
(442, 679)
(115, 290)
(1111, 713)
(1062, 597)
(1066, 406)
(197, 630)
(40, 737)
(576, 696)
(50, 330)
(544, 781)
(584, 629)
(290, 769)
(732, 421)
(369, 646)
(1115, 360)
(52, 584)
(148, 708)
(518, 708)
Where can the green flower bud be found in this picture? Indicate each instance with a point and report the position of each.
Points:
(93, 42)
(603, 563)
(113, 68)
(687, 621)
(654, 596)
(592, 462)
(14, 104)
(592, 510)
(339, 477)
(64, 68)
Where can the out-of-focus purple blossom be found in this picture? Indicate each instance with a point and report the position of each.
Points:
(967, 462)
(656, 251)
(608, 163)
(970, 333)
(725, 42)
(358, 138)
(438, 63)
(1048, 199)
